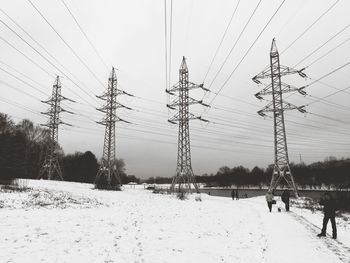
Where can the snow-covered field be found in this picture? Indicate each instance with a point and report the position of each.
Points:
(71, 222)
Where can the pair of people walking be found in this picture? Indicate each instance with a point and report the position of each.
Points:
(271, 201)
(234, 194)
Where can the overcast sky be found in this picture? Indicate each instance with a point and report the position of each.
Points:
(129, 35)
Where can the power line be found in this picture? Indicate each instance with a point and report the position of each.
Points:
(323, 44)
(44, 49)
(85, 35)
(328, 52)
(28, 58)
(65, 42)
(248, 50)
(234, 45)
(166, 44)
(310, 26)
(222, 40)
(23, 81)
(19, 90)
(170, 40)
(20, 73)
(45, 58)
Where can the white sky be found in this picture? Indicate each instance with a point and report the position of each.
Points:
(130, 36)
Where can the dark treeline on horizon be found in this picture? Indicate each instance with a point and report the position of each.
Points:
(332, 171)
(22, 149)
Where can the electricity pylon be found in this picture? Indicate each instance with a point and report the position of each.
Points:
(184, 173)
(108, 176)
(277, 106)
(50, 168)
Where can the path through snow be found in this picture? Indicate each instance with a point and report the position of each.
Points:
(138, 226)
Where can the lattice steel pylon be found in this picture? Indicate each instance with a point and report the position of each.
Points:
(184, 173)
(50, 168)
(107, 176)
(277, 106)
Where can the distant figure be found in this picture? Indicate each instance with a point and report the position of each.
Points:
(329, 213)
(237, 194)
(285, 199)
(233, 194)
(270, 200)
(245, 195)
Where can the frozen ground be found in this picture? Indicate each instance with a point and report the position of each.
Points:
(137, 226)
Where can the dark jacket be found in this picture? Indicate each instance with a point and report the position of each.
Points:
(285, 197)
(329, 207)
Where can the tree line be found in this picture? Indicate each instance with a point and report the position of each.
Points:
(331, 172)
(22, 152)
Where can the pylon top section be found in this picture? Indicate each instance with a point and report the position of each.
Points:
(273, 50)
(57, 81)
(183, 67)
(113, 75)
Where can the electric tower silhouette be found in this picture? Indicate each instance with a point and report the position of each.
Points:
(108, 176)
(50, 168)
(277, 106)
(184, 173)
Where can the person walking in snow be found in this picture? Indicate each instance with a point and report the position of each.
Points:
(270, 199)
(329, 208)
(285, 199)
(236, 194)
(233, 194)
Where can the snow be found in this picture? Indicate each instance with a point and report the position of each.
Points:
(85, 225)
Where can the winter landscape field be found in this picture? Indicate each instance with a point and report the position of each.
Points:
(53, 221)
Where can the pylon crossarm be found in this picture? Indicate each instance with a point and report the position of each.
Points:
(122, 120)
(65, 98)
(65, 123)
(102, 97)
(173, 89)
(192, 85)
(174, 103)
(191, 101)
(202, 119)
(191, 116)
(267, 108)
(289, 106)
(262, 75)
(288, 71)
(66, 111)
(119, 105)
(285, 88)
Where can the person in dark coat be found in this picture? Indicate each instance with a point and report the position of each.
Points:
(270, 200)
(285, 199)
(236, 194)
(233, 194)
(329, 208)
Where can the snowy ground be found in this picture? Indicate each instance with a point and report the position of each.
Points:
(70, 222)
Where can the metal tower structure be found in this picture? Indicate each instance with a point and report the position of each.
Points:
(107, 176)
(184, 173)
(50, 168)
(277, 106)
